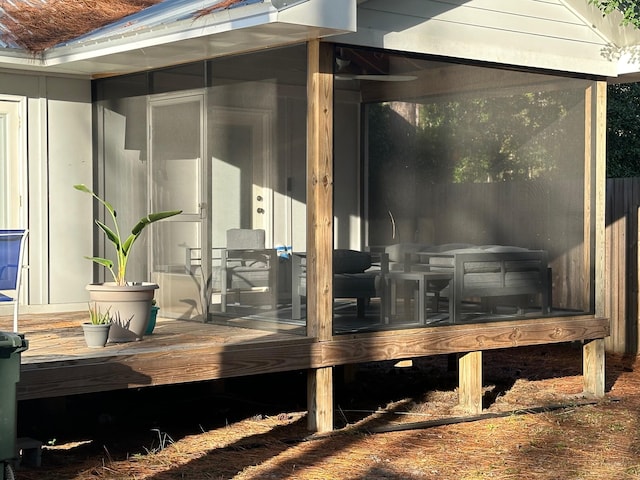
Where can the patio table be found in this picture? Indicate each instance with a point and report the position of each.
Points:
(422, 280)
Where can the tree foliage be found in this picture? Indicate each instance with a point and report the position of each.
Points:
(629, 8)
(623, 130)
(623, 103)
(474, 139)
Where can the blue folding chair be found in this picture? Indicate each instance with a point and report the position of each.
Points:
(11, 252)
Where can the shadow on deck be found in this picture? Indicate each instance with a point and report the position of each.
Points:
(58, 363)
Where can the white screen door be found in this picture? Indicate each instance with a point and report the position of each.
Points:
(231, 190)
(11, 166)
(176, 149)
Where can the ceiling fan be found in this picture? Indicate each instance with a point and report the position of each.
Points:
(353, 64)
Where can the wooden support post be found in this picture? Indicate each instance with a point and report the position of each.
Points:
(320, 191)
(593, 351)
(470, 382)
(593, 360)
(320, 226)
(320, 399)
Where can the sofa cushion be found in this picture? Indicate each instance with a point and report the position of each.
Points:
(355, 285)
(350, 261)
(487, 266)
(448, 261)
(446, 247)
(398, 251)
(503, 248)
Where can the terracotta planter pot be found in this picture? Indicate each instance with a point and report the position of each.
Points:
(96, 336)
(129, 307)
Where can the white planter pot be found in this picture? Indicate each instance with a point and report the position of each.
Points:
(129, 307)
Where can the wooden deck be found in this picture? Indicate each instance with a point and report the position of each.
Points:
(57, 363)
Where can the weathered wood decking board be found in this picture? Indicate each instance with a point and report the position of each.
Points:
(461, 338)
(57, 363)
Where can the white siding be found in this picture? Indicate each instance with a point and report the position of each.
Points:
(59, 155)
(531, 33)
(70, 212)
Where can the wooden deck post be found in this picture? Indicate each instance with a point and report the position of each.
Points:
(470, 382)
(320, 226)
(593, 367)
(320, 399)
(593, 352)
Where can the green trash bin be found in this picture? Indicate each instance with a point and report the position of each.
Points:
(11, 347)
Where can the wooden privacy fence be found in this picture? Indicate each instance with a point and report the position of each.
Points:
(621, 263)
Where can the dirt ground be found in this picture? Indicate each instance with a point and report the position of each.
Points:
(394, 422)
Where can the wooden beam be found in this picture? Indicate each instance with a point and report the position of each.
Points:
(320, 225)
(470, 382)
(395, 345)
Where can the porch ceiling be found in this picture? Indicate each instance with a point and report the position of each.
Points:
(141, 42)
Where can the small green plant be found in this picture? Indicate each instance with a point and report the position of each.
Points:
(123, 248)
(96, 317)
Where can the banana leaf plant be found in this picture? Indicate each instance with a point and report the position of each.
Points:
(123, 248)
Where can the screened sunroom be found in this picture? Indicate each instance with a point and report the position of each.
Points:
(462, 193)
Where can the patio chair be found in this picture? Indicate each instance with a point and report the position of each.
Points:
(247, 266)
(11, 254)
(353, 277)
(242, 268)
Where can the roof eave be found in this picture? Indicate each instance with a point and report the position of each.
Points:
(206, 26)
(209, 36)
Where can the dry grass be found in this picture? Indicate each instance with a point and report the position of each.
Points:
(218, 6)
(36, 28)
(574, 438)
(39, 27)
